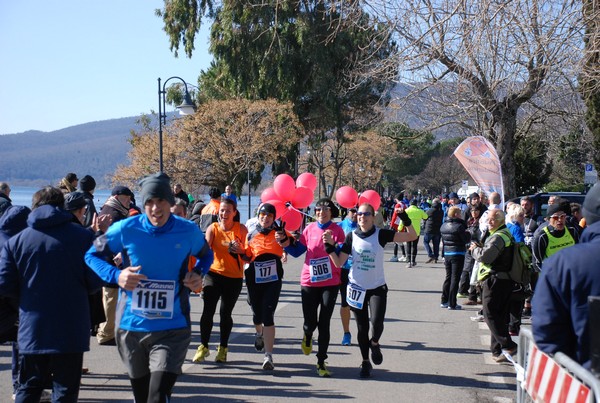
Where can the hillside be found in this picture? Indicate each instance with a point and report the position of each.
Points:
(35, 158)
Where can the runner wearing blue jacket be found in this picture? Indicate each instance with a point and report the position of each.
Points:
(153, 328)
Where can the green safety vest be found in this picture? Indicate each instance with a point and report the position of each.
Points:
(485, 269)
(555, 243)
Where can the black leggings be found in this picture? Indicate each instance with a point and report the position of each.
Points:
(228, 290)
(153, 388)
(412, 248)
(263, 300)
(312, 298)
(375, 304)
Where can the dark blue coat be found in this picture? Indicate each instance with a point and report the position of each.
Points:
(560, 303)
(43, 268)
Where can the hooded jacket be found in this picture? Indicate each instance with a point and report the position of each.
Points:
(560, 303)
(43, 266)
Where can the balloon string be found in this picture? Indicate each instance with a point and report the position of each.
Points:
(300, 211)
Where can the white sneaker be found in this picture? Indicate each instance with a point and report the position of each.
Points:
(268, 363)
(478, 318)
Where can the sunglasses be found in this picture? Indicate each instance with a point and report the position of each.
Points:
(322, 208)
(364, 213)
(558, 217)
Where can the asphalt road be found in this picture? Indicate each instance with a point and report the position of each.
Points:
(430, 354)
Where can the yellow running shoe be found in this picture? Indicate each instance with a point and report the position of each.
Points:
(221, 354)
(307, 345)
(201, 354)
(323, 371)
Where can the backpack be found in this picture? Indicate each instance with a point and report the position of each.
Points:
(520, 271)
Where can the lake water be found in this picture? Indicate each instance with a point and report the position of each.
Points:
(21, 196)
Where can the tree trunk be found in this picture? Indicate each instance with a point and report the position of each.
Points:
(505, 129)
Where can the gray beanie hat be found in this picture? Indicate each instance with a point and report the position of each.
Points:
(156, 185)
(591, 205)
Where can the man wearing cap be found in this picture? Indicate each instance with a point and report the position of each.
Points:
(554, 236)
(154, 328)
(117, 207)
(76, 204)
(560, 304)
(87, 185)
(52, 287)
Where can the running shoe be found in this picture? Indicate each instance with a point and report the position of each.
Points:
(201, 354)
(268, 363)
(347, 339)
(376, 355)
(365, 369)
(403, 259)
(478, 318)
(444, 305)
(461, 295)
(456, 308)
(394, 259)
(307, 345)
(221, 354)
(409, 265)
(259, 342)
(323, 371)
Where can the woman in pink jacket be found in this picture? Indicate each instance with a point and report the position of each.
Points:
(320, 278)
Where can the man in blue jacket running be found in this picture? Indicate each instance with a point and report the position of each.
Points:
(153, 328)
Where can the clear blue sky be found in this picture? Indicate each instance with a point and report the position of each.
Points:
(69, 62)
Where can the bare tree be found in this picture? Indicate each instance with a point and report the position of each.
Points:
(475, 65)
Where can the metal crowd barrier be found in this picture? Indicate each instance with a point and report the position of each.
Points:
(541, 378)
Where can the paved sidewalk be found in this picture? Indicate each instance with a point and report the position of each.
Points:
(430, 354)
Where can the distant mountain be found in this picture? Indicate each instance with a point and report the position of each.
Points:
(36, 158)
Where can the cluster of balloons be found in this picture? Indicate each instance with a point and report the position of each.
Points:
(347, 197)
(288, 196)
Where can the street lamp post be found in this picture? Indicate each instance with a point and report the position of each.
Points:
(186, 108)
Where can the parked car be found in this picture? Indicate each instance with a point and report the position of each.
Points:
(540, 200)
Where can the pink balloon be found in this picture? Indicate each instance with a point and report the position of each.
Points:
(371, 197)
(303, 196)
(292, 220)
(280, 208)
(346, 197)
(268, 194)
(285, 187)
(307, 180)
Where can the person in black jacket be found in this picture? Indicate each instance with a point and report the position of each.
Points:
(431, 231)
(455, 238)
(87, 185)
